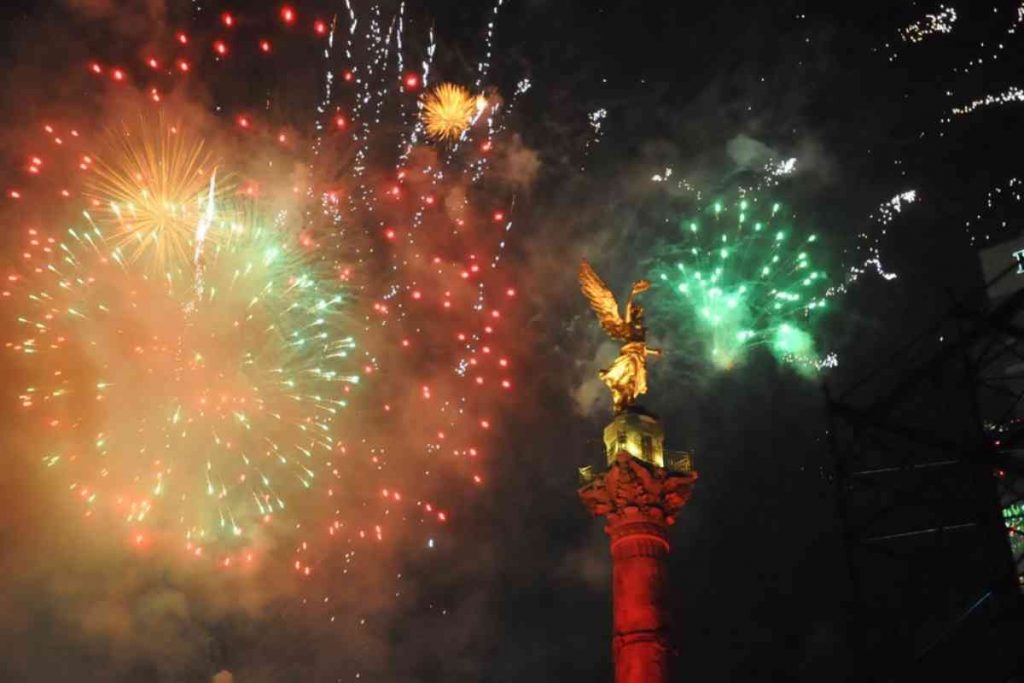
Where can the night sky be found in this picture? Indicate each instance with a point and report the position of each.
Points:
(520, 590)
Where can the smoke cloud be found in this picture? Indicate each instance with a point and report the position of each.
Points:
(431, 601)
(140, 19)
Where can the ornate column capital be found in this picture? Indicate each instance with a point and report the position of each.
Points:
(637, 497)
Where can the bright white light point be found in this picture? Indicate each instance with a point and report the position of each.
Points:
(786, 167)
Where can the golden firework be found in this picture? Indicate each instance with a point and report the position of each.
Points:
(150, 188)
(448, 110)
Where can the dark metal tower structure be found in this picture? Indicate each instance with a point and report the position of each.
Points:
(929, 465)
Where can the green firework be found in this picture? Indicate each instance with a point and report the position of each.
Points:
(740, 276)
(201, 399)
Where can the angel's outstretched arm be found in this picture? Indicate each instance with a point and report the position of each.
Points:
(639, 287)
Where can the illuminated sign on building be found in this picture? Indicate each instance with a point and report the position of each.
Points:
(1019, 257)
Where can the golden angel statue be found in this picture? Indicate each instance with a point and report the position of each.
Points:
(626, 377)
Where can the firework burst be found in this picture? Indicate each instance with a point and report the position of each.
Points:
(410, 236)
(177, 407)
(148, 187)
(448, 110)
(739, 277)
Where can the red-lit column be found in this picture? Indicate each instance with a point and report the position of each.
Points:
(639, 501)
(639, 590)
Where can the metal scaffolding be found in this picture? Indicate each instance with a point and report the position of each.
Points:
(929, 464)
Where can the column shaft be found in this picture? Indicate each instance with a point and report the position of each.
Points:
(639, 598)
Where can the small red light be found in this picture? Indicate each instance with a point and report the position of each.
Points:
(287, 15)
(220, 47)
(182, 38)
(96, 68)
(412, 81)
(265, 46)
(117, 75)
(319, 27)
(348, 76)
(227, 19)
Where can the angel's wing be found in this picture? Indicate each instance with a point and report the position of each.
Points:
(602, 301)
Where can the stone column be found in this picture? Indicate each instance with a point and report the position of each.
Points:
(640, 619)
(639, 500)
